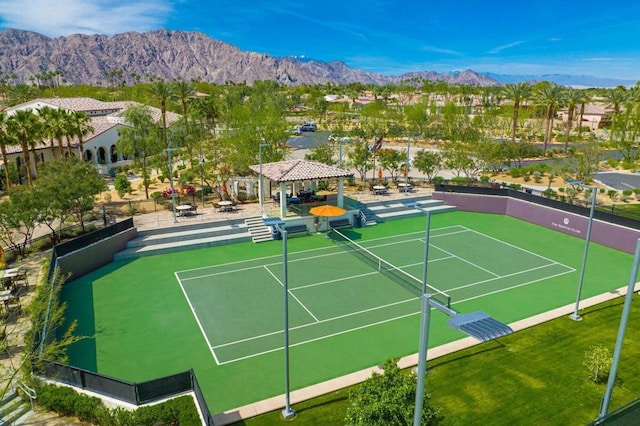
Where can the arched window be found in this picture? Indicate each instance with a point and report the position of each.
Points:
(114, 154)
(102, 156)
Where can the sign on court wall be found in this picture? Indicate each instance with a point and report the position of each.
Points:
(611, 235)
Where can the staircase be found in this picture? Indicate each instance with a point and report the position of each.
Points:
(186, 237)
(13, 409)
(378, 211)
(258, 230)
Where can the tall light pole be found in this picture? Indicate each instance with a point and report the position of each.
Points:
(278, 224)
(478, 324)
(260, 192)
(406, 168)
(202, 176)
(173, 192)
(594, 193)
(606, 398)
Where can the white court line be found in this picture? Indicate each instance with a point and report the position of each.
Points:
(570, 270)
(193, 311)
(299, 327)
(292, 295)
(339, 333)
(466, 261)
(385, 321)
(277, 256)
(514, 246)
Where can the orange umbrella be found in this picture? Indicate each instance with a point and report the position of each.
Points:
(327, 211)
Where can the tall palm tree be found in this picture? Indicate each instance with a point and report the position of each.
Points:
(574, 98)
(551, 97)
(81, 128)
(24, 125)
(162, 93)
(518, 93)
(48, 122)
(5, 141)
(585, 98)
(616, 98)
(183, 91)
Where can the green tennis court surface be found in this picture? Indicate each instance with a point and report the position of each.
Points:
(238, 305)
(220, 310)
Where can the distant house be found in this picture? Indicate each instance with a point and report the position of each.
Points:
(594, 113)
(100, 145)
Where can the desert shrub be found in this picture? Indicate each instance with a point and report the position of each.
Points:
(515, 172)
(612, 193)
(627, 192)
(122, 185)
(459, 180)
(628, 164)
(598, 361)
(527, 178)
(613, 162)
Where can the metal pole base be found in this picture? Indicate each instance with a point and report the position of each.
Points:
(288, 414)
(575, 317)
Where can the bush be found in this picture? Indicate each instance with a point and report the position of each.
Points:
(628, 164)
(598, 361)
(122, 185)
(67, 402)
(515, 172)
(613, 162)
(459, 180)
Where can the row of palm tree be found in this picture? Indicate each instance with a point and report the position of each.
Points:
(33, 129)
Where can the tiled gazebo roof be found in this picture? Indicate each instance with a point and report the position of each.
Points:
(299, 170)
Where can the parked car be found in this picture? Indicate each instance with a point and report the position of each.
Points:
(308, 127)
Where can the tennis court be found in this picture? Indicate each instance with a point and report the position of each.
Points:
(219, 310)
(350, 286)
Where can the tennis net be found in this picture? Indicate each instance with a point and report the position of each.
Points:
(406, 280)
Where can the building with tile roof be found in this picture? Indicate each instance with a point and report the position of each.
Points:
(99, 146)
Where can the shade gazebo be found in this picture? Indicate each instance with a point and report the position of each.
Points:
(301, 172)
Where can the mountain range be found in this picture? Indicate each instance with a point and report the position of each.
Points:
(169, 55)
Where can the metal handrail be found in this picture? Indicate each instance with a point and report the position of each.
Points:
(31, 393)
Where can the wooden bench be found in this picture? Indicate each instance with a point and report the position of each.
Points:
(297, 229)
(340, 223)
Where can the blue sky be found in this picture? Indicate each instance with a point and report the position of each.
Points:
(585, 37)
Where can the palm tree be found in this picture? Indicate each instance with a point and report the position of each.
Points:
(24, 125)
(81, 128)
(574, 98)
(48, 122)
(5, 141)
(615, 98)
(162, 93)
(551, 97)
(585, 98)
(517, 93)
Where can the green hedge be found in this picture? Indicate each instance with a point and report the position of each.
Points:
(69, 403)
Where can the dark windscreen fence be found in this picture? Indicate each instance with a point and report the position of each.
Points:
(582, 210)
(124, 391)
(163, 387)
(202, 403)
(399, 276)
(93, 237)
(62, 373)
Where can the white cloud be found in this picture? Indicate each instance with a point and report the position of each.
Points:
(65, 17)
(499, 49)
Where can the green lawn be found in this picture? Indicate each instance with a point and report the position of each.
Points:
(531, 377)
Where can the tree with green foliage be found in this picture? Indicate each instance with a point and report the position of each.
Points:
(428, 162)
(19, 217)
(518, 93)
(392, 161)
(122, 185)
(5, 141)
(598, 360)
(388, 399)
(359, 159)
(72, 185)
(25, 126)
(322, 153)
(140, 140)
(551, 97)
